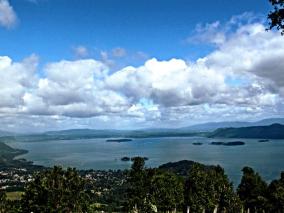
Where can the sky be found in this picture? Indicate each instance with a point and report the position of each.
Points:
(130, 64)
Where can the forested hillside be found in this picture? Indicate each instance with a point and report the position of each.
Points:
(274, 131)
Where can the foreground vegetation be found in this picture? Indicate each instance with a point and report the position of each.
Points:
(200, 189)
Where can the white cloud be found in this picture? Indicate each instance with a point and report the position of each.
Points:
(119, 52)
(81, 51)
(210, 33)
(8, 17)
(106, 59)
(15, 79)
(252, 51)
(141, 55)
(216, 33)
(242, 79)
(168, 83)
(76, 89)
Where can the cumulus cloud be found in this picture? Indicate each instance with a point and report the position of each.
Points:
(15, 79)
(168, 83)
(252, 51)
(8, 17)
(210, 33)
(217, 32)
(76, 89)
(118, 57)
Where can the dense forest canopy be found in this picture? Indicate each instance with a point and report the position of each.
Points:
(148, 190)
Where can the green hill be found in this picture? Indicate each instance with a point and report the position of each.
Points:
(7, 155)
(182, 167)
(274, 131)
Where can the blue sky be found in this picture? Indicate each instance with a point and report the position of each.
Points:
(50, 28)
(137, 63)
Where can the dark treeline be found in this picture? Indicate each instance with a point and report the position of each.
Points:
(203, 189)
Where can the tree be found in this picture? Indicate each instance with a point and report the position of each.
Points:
(3, 202)
(166, 191)
(276, 195)
(209, 190)
(252, 191)
(276, 17)
(151, 190)
(55, 190)
(196, 194)
(137, 189)
(226, 200)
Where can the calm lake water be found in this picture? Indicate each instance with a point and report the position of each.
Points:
(266, 158)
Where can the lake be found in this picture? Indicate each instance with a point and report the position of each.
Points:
(265, 158)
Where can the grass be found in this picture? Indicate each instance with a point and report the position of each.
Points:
(14, 195)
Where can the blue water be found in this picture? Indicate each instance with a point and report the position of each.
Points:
(266, 158)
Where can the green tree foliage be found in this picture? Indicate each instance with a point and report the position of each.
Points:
(8, 206)
(209, 189)
(55, 190)
(3, 202)
(196, 193)
(206, 189)
(152, 190)
(225, 199)
(276, 17)
(137, 191)
(166, 191)
(276, 195)
(252, 191)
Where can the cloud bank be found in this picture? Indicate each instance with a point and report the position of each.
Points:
(242, 79)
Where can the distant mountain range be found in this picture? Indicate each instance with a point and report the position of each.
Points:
(211, 126)
(214, 129)
(5, 133)
(74, 134)
(274, 131)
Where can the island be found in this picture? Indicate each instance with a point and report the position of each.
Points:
(197, 143)
(125, 159)
(263, 140)
(232, 143)
(119, 140)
